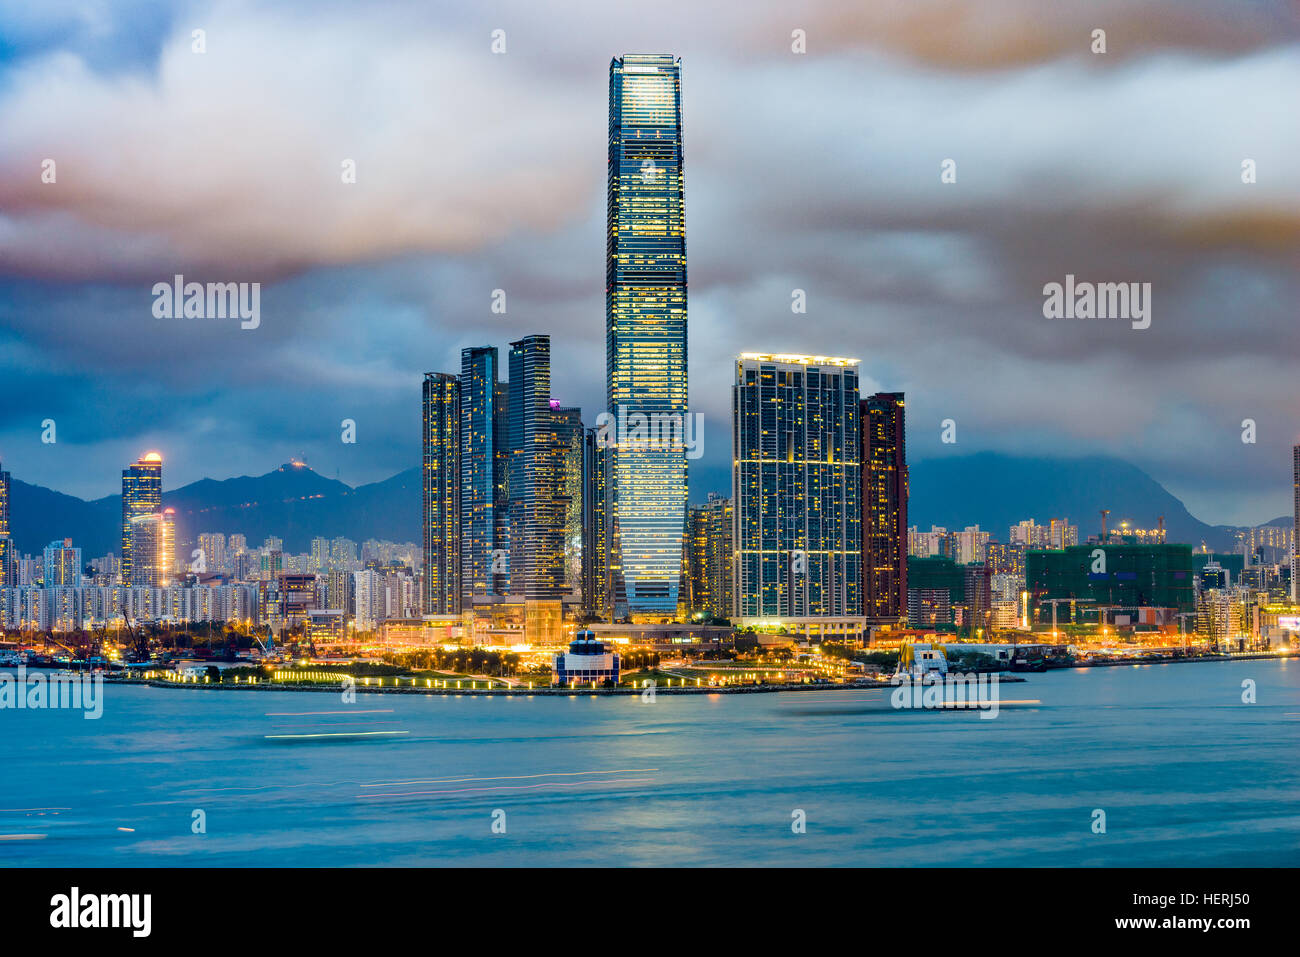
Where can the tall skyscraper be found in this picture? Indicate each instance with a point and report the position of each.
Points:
(6, 543)
(797, 486)
(1295, 517)
(568, 427)
(595, 525)
(709, 554)
(484, 464)
(441, 512)
(645, 330)
(141, 496)
(153, 538)
(537, 501)
(884, 507)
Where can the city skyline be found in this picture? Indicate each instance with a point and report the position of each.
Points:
(937, 286)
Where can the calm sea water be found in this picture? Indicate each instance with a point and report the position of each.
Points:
(1185, 772)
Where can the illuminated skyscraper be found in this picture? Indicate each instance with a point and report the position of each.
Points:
(153, 539)
(884, 507)
(1295, 546)
(595, 525)
(568, 428)
(645, 330)
(537, 501)
(6, 543)
(797, 485)
(709, 554)
(441, 512)
(141, 496)
(484, 464)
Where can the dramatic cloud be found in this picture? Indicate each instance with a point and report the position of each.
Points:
(819, 172)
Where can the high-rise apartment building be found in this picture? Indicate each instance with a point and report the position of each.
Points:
(569, 432)
(212, 546)
(538, 506)
(320, 554)
(484, 474)
(797, 486)
(884, 507)
(645, 329)
(153, 537)
(6, 542)
(62, 565)
(595, 525)
(1295, 516)
(440, 516)
(709, 554)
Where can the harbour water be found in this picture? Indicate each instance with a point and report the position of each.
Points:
(1185, 772)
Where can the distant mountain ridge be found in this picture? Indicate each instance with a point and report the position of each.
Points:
(297, 504)
(996, 491)
(292, 502)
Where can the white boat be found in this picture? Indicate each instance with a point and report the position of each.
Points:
(921, 662)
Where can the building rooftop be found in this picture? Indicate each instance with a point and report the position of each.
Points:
(790, 358)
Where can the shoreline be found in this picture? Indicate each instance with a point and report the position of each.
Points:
(524, 692)
(502, 692)
(331, 688)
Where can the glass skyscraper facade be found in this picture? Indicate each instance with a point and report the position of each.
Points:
(569, 431)
(141, 496)
(709, 558)
(441, 494)
(645, 329)
(6, 543)
(538, 506)
(1295, 547)
(484, 457)
(153, 541)
(884, 507)
(796, 486)
(595, 524)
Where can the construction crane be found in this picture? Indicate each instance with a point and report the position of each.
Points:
(139, 641)
(268, 646)
(1061, 601)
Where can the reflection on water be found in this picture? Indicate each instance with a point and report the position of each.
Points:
(1186, 773)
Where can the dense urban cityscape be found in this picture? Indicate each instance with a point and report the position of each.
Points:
(541, 529)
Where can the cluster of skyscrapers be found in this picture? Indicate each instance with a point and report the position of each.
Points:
(526, 506)
(503, 466)
(522, 501)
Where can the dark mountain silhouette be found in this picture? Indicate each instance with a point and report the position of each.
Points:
(996, 491)
(293, 502)
(297, 504)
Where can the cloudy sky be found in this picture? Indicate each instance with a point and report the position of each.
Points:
(817, 171)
